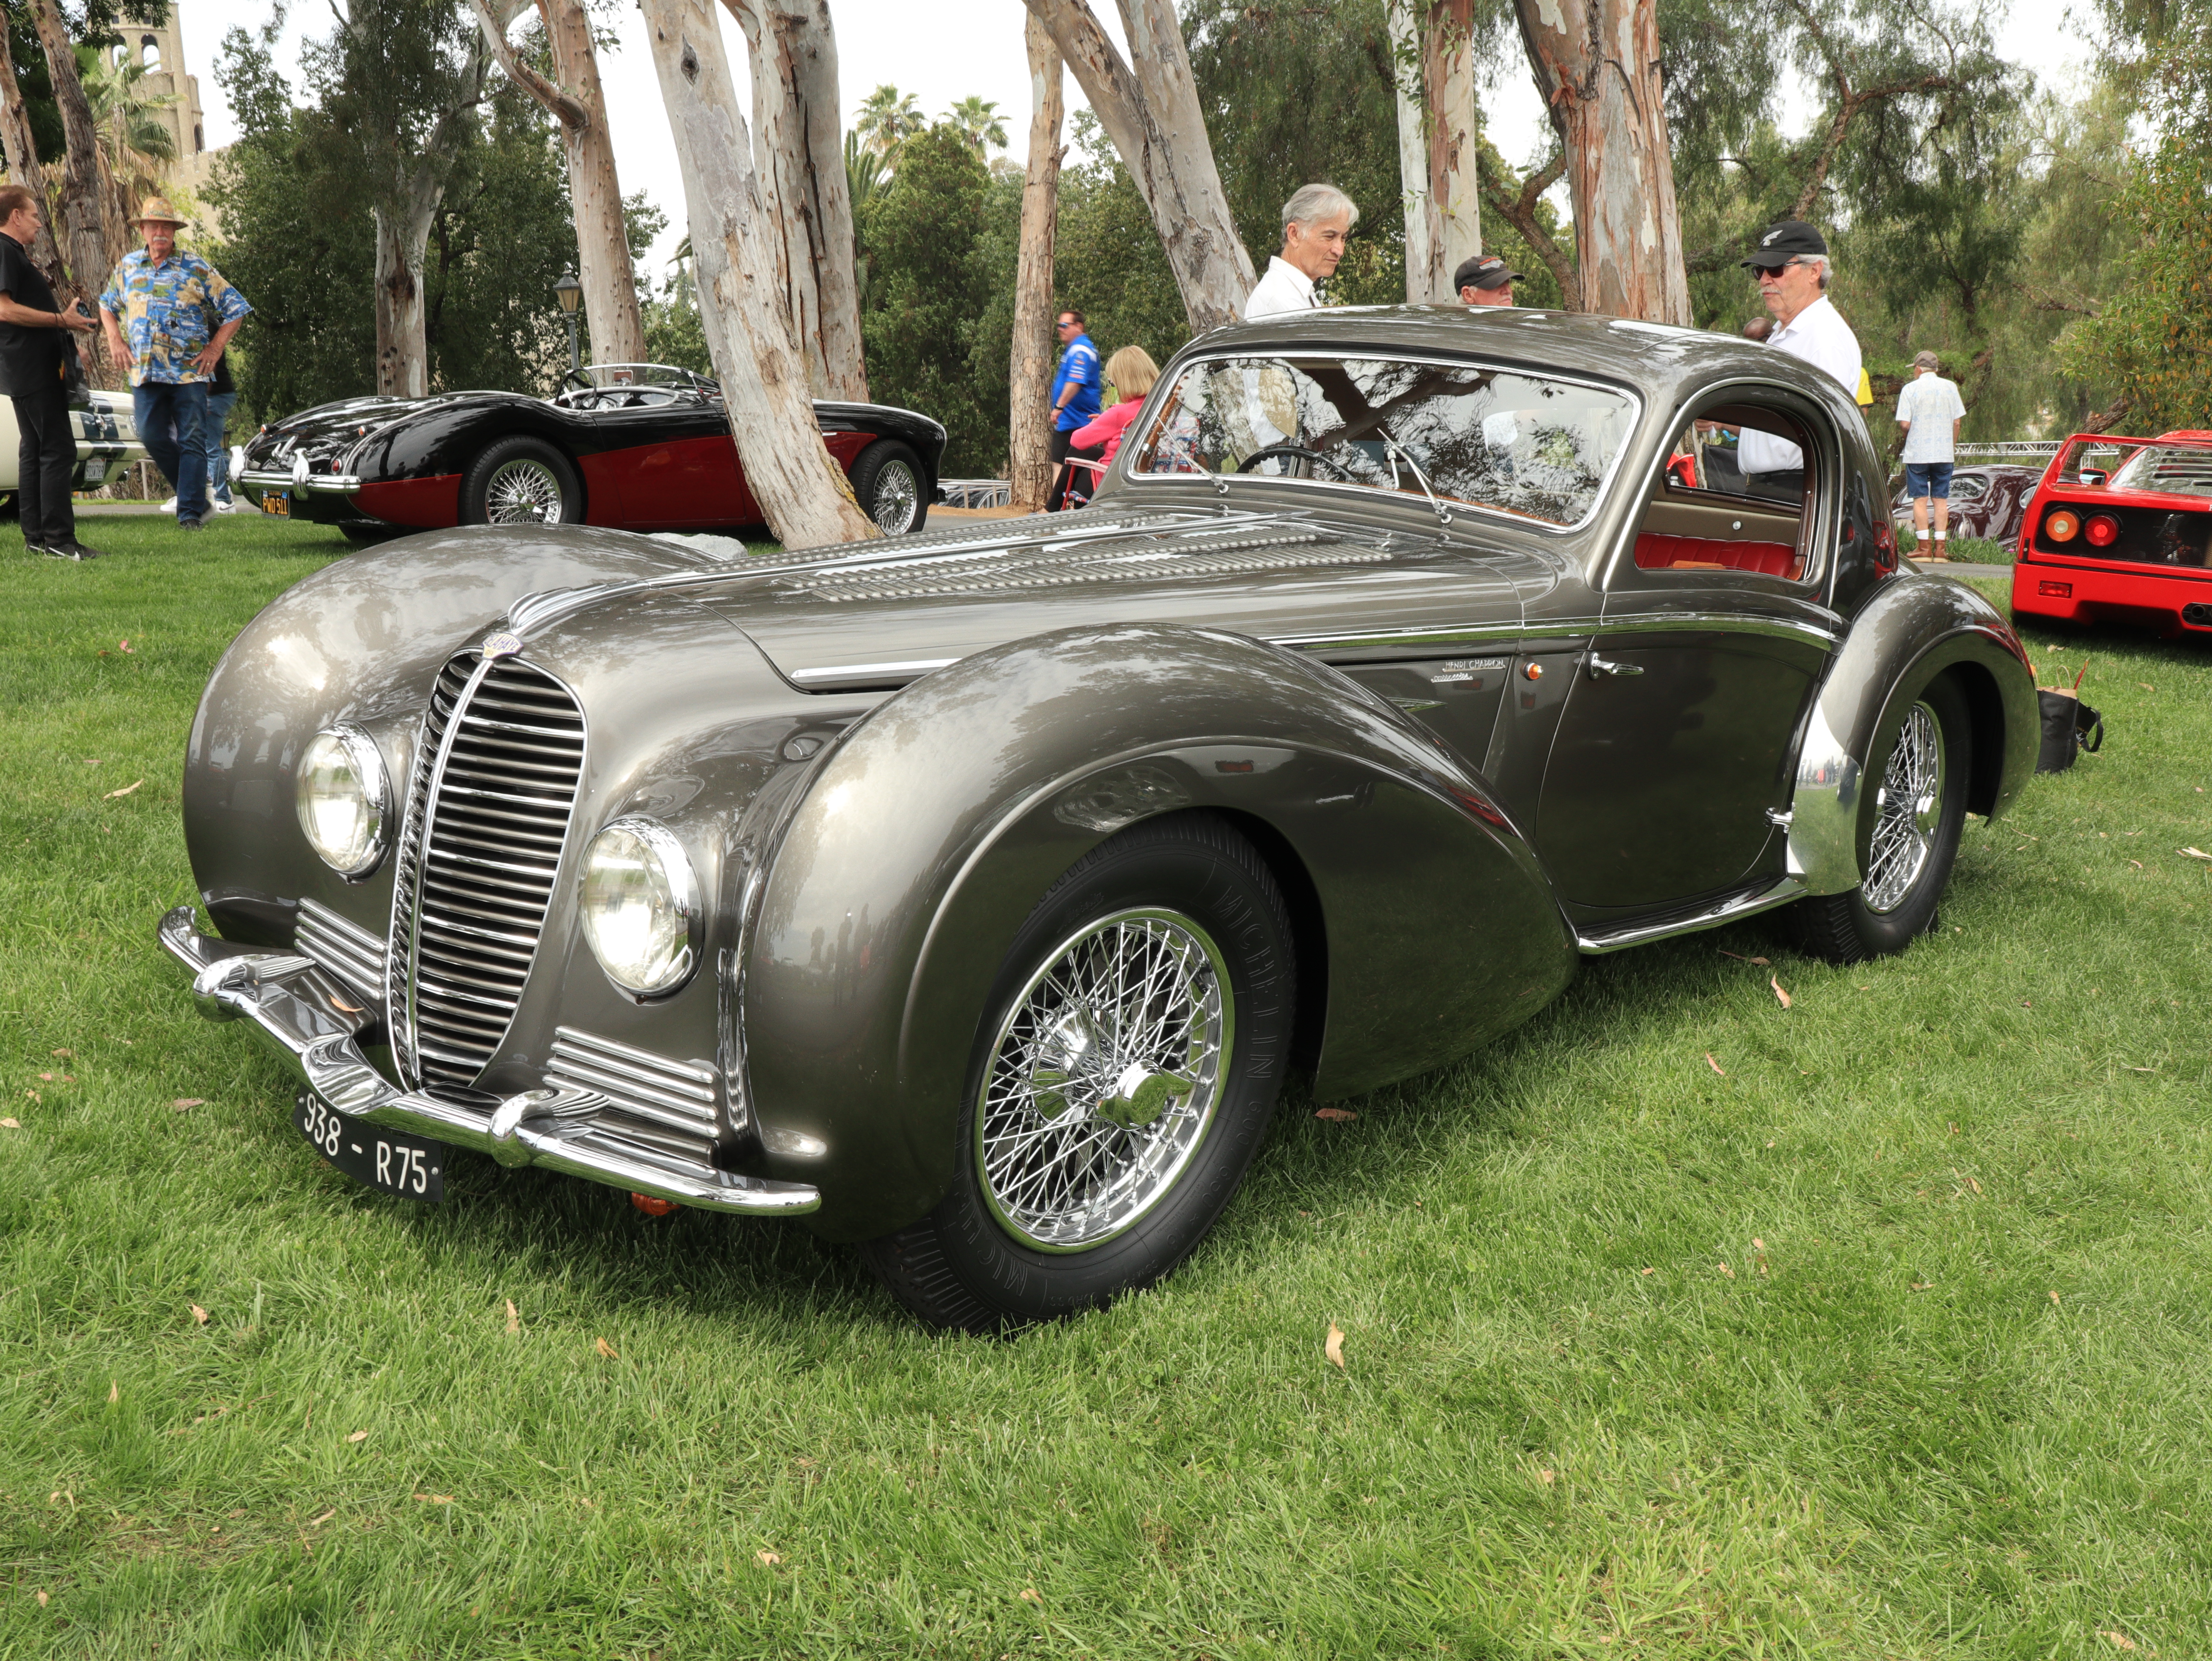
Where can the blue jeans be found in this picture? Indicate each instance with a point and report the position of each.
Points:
(172, 421)
(218, 454)
(1928, 479)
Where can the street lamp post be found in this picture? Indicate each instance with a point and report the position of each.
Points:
(568, 291)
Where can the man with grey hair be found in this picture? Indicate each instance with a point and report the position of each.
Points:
(1791, 264)
(1929, 411)
(1317, 221)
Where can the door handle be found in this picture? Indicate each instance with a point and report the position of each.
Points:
(1599, 666)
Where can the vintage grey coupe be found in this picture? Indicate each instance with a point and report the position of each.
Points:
(969, 896)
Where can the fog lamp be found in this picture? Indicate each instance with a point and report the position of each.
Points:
(641, 906)
(344, 799)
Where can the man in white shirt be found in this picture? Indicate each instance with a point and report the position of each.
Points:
(1791, 263)
(1929, 411)
(1317, 222)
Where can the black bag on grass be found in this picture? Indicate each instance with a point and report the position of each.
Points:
(2070, 727)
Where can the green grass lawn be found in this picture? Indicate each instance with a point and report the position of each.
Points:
(1677, 1324)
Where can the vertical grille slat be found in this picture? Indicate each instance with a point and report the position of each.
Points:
(466, 927)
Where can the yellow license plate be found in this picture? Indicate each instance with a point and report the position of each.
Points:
(278, 503)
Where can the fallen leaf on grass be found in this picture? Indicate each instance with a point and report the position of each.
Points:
(1713, 1064)
(768, 1558)
(1545, 1477)
(185, 1104)
(605, 1349)
(513, 1319)
(44, 1600)
(1335, 1114)
(1031, 1595)
(2197, 853)
(114, 1394)
(1740, 958)
(358, 1436)
(66, 1055)
(1334, 1346)
(2054, 1297)
(1920, 1286)
(1774, 981)
(316, 1523)
(2138, 864)
(2120, 1639)
(1971, 1184)
(1726, 1270)
(2138, 1069)
(435, 1499)
(11, 1124)
(199, 1315)
(122, 645)
(124, 791)
(46, 1078)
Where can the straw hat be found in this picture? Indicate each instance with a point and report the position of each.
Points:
(156, 210)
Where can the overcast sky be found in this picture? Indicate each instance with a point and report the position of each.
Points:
(945, 52)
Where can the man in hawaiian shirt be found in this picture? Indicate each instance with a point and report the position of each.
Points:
(178, 315)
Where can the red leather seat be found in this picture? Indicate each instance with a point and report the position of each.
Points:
(1657, 552)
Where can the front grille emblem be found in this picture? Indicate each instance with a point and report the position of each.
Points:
(501, 645)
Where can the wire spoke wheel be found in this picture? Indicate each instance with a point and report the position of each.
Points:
(1908, 811)
(523, 491)
(897, 493)
(1103, 1079)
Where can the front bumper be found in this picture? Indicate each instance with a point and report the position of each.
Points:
(332, 484)
(301, 1012)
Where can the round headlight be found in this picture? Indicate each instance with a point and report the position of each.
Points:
(641, 906)
(344, 799)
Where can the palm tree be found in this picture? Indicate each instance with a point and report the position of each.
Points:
(979, 121)
(865, 177)
(136, 145)
(888, 119)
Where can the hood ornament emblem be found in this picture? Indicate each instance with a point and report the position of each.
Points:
(501, 645)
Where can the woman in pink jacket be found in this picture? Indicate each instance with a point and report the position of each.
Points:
(1132, 373)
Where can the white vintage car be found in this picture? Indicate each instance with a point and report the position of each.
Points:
(106, 442)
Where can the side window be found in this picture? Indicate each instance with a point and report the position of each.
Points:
(1737, 494)
(1969, 488)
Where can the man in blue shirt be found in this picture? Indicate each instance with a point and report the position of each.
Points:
(1074, 394)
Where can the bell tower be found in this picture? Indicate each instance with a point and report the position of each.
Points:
(159, 48)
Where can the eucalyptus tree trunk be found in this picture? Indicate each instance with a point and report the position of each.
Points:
(23, 155)
(90, 241)
(1029, 441)
(402, 240)
(799, 147)
(1432, 42)
(1596, 63)
(1148, 104)
(574, 99)
(799, 488)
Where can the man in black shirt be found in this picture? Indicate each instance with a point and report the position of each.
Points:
(31, 369)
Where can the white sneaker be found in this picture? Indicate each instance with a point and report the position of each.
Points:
(170, 506)
(222, 507)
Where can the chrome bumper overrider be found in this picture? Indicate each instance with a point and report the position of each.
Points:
(305, 1014)
(333, 484)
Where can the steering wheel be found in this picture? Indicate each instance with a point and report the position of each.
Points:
(1299, 450)
(579, 380)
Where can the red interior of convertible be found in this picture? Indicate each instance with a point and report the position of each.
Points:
(1704, 516)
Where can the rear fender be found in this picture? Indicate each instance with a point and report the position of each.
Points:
(932, 829)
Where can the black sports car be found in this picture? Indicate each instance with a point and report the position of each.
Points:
(635, 446)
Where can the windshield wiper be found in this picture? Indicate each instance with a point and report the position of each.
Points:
(1444, 515)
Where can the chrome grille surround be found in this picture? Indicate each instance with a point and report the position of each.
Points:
(659, 1103)
(344, 949)
(487, 823)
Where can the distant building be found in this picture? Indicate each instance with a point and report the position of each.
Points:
(160, 48)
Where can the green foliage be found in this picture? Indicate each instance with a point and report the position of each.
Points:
(2153, 340)
(930, 284)
(888, 119)
(300, 245)
(1107, 258)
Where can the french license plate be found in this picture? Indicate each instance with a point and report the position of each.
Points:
(278, 503)
(390, 1161)
(95, 470)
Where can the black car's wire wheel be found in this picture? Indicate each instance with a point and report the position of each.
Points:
(1910, 821)
(887, 483)
(521, 481)
(1126, 1068)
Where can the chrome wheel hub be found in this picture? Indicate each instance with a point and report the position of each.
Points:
(1908, 811)
(523, 491)
(1103, 1080)
(898, 493)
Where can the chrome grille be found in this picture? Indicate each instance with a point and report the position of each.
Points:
(499, 800)
(452, 680)
(344, 948)
(672, 1101)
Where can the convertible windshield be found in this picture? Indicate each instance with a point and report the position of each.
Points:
(1514, 443)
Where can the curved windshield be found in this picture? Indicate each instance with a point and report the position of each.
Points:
(1510, 442)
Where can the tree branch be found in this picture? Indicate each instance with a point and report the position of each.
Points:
(565, 109)
(1519, 210)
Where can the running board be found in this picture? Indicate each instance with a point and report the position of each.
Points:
(1743, 904)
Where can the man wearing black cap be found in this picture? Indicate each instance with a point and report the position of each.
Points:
(1485, 280)
(1791, 264)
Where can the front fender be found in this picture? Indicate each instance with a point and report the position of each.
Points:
(932, 829)
(1911, 631)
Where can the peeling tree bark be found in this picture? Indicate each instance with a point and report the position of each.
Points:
(1149, 106)
(799, 488)
(1031, 373)
(1596, 62)
(89, 241)
(574, 100)
(1433, 45)
(798, 150)
(404, 214)
(23, 155)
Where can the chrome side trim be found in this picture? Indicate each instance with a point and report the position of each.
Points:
(288, 1003)
(677, 1094)
(1650, 623)
(343, 948)
(1599, 941)
(859, 671)
(1823, 812)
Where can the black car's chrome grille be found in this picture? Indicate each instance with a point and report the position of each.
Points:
(479, 859)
